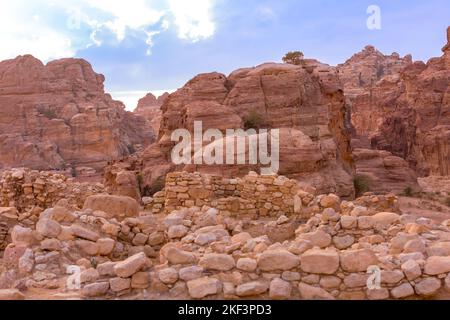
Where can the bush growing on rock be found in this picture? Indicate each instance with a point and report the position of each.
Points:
(254, 120)
(408, 191)
(362, 184)
(293, 57)
(156, 187)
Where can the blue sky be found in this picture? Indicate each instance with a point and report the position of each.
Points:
(157, 45)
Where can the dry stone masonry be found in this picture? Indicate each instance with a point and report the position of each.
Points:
(191, 243)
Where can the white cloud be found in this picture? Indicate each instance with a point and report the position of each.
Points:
(134, 15)
(51, 29)
(22, 33)
(266, 13)
(193, 18)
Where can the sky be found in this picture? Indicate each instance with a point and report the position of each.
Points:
(158, 45)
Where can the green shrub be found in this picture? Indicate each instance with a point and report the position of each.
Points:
(293, 57)
(49, 114)
(253, 120)
(362, 184)
(408, 191)
(131, 149)
(157, 186)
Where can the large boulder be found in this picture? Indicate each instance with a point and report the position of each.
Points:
(320, 261)
(272, 260)
(357, 260)
(130, 266)
(120, 207)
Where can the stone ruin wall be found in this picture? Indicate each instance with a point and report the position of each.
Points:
(199, 251)
(252, 195)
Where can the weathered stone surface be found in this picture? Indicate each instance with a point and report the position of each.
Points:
(11, 294)
(279, 289)
(95, 289)
(320, 261)
(130, 266)
(247, 264)
(355, 280)
(343, 242)
(411, 269)
(140, 280)
(378, 294)
(357, 260)
(428, 287)
(106, 268)
(168, 275)
(203, 287)
(402, 291)
(119, 206)
(252, 288)
(190, 273)
(437, 265)
(216, 261)
(84, 233)
(48, 228)
(308, 292)
(272, 260)
(20, 235)
(317, 238)
(177, 231)
(385, 219)
(177, 256)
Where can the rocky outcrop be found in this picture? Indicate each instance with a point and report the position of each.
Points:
(404, 108)
(384, 171)
(306, 102)
(149, 107)
(57, 116)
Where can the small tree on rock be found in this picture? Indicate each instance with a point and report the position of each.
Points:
(293, 57)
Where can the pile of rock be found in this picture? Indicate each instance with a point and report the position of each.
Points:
(337, 251)
(330, 256)
(116, 278)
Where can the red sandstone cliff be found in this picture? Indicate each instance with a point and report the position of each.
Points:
(57, 116)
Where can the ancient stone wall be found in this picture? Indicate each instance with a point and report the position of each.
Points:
(204, 252)
(29, 190)
(251, 195)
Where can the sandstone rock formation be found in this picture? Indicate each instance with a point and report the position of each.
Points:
(306, 102)
(385, 172)
(149, 107)
(57, 116)
(401, 107)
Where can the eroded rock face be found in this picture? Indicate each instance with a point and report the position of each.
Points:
(385, 172)
(58, 116)
(306, 102)
(402, 107)
(150, 108)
